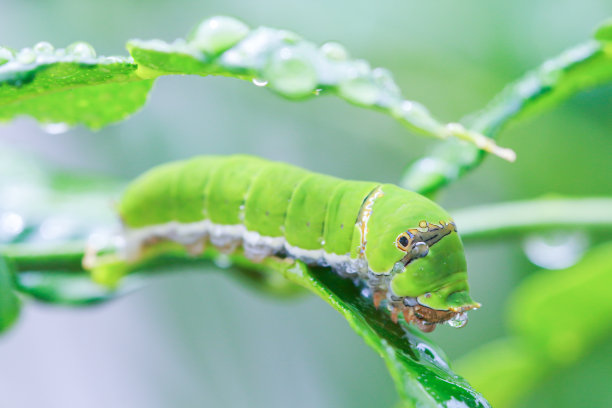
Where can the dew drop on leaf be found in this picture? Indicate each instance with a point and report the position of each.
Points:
(81, 50)
(334, 51)
(217, 34)
(44, 48)
(290, 73)
(384, 79)
(360, 90)
(26, 56)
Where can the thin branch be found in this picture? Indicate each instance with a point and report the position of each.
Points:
(580, 68)
(522, 217)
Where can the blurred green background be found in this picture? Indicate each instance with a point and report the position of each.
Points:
(203, 340)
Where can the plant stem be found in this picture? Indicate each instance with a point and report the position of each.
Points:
(580, 68)
(521, 217)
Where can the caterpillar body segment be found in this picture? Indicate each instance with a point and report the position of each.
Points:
(403, 245)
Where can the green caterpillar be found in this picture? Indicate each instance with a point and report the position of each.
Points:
(403, 245)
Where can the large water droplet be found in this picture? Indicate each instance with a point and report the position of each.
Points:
(6, 55)
(557, 250)
(334, 51)
(217, 34)
(55, 128)
(458, 320)
(44, 48)
(81, 50)
(291, 74)
(360, 90)
(26, 56)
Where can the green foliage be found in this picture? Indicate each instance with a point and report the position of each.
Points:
(9, 303)
(555, 318)
(522, 217)
(69, 86)
(604, 31)
(578, 69)
(54, 274)
(72, 86)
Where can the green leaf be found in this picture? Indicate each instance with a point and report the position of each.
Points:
(62, 287)
(72, 86)
(504, 370)
(9, 302)
(54, 274)
(556, 317)
(578, 69)
(419, 369)
(563, 313)
(69, 86)
(604, 31)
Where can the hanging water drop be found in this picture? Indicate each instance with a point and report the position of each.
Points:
(260, 82)
(26, 56)
(55, 128)
(458, 320)
(81, 50)
(557, 250)
(290, 73)
(217, 34)
(44, 48)
(334, 51)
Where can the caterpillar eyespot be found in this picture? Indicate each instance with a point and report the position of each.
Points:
(403, 241)
(382, 234)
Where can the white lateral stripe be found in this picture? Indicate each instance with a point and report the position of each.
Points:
(189, 233)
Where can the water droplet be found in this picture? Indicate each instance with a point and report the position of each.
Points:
(431, 354)
(260, 82)
(291, 74)
(11, 225)
(81, 50)
(383, 77)
(360, 90)
(44, 48)
(55, 128)
(222, 261)
(115, 60)
(217, 34)
(6, 55)
(289, 37)
(458, 320)
(26, 56)
(557, 250)
(334, 51)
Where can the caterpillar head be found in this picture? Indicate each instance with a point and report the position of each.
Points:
(417, 244)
